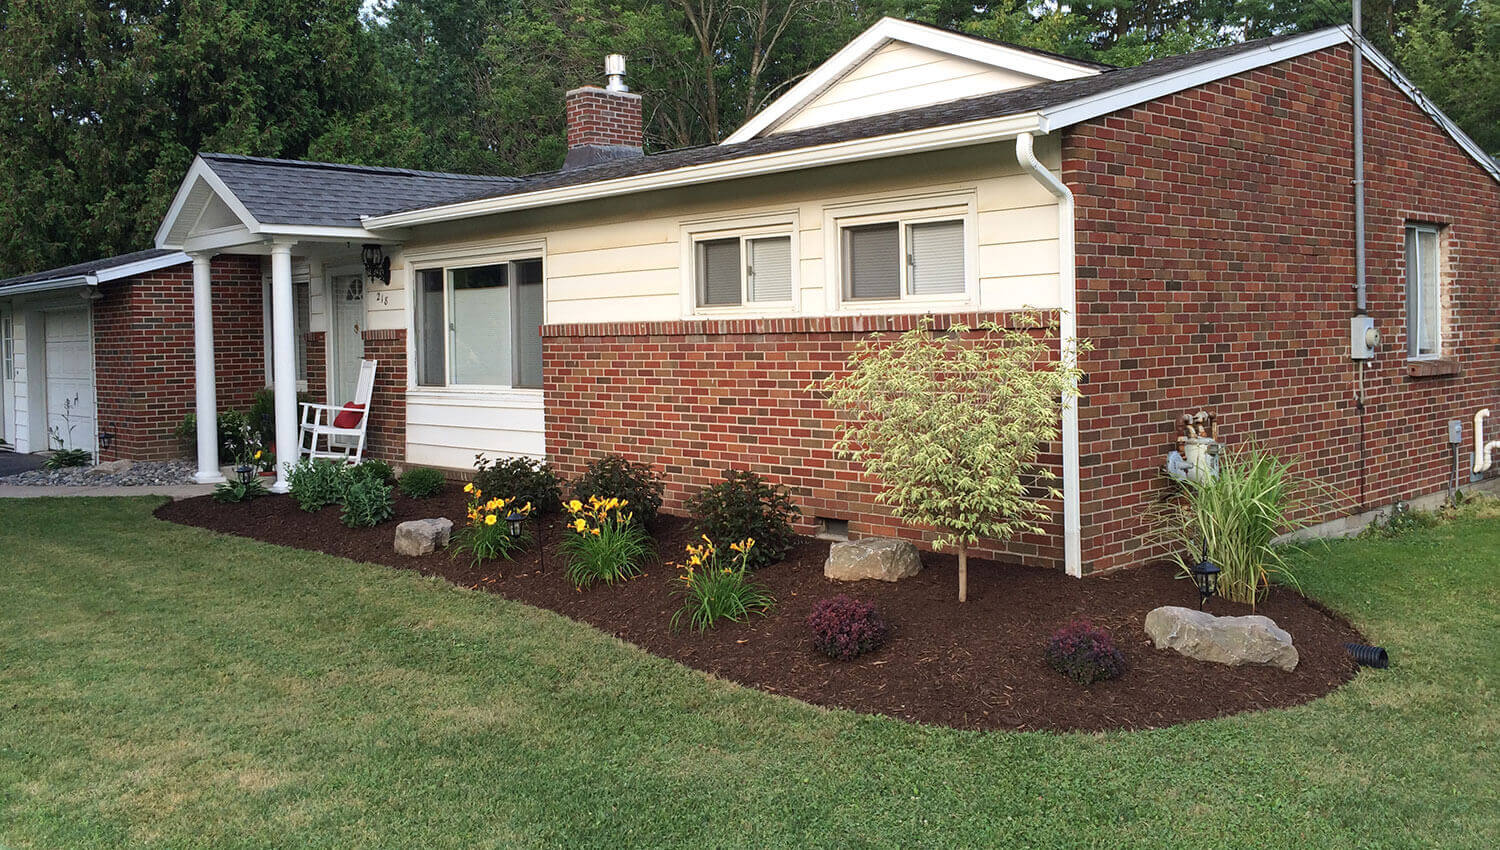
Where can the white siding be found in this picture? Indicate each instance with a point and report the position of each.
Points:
(446, 428)
(901, 76)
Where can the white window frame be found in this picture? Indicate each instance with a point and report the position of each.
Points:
(902, 212)
(1437, 230)
(745, 229)
(450, 261)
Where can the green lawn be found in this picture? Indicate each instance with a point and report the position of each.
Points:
(163, 686)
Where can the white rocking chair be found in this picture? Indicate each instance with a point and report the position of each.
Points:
(340, 441)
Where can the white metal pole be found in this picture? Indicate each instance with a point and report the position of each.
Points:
(205, 403)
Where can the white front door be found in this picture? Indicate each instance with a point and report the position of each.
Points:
(346, 321)
(69, 363)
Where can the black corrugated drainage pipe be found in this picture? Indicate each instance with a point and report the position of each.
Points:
(1369, 656)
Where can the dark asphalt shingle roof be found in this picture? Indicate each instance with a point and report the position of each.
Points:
(284, 191)
(90, 267)
(1015, 101)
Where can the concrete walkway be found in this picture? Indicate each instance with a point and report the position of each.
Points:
(175, 491)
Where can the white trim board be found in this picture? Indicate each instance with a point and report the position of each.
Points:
(886, 30)
(98, 276)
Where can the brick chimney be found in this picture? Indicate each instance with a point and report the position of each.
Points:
(603, 123)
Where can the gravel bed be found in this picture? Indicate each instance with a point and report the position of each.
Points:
(141, 474)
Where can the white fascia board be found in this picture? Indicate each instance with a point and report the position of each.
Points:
(200, 170)
(141, 267)
(1086, 108)
(49, 285)
(891, 29)
(835, 153)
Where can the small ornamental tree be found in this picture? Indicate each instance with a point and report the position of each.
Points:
(952, 424)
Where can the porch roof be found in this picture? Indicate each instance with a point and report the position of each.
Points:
(93, 272)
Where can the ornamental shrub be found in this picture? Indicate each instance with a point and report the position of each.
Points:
(612, 476)
(1084, 653)
(373, 469)
(420, 482)
(845, 628)
(746, 506)
(367, 503)
(521, 478)
(318, 483)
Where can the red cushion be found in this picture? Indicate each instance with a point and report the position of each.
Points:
(349, 417)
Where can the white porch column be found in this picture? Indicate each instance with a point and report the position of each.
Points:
(205, 406)
(284, 364)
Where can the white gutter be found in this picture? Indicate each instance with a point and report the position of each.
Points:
(49, 285)
(97, 277)
(834, 153)
(1068, 319)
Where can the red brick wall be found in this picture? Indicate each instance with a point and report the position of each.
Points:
(143, 352)
(695, 398)
(315, 344)
(1215, 271)
(385, 437)
(600, 117)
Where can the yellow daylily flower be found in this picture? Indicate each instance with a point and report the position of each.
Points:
(580, 524)
(469, 488)
(575, 506)
(489, 520)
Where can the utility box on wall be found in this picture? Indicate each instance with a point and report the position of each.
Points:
(1364, 340)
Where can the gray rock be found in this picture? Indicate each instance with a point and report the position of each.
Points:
(423, 536)
(112, 467)
(140, 473)
(872, 557)
(1251, 639)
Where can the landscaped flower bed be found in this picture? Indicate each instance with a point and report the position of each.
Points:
(977, 665)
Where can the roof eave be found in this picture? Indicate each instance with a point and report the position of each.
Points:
(54, 284)
(834, 153)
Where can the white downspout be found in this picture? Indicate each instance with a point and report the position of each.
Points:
(1068, 320)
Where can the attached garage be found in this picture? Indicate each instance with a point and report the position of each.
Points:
(68, 379)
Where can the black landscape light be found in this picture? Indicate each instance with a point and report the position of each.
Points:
(514, 520)
(246, 472)
(1206, 576)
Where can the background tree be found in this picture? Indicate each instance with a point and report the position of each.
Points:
(952, 426)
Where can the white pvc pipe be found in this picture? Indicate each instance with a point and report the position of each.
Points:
(205, 402)
(1482, 450)
(1067, 286)
(284, 364)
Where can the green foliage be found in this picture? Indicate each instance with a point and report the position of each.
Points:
(604, 543)
(1400, 520)
(316, 484)
(953, 424)
(374, 470)
(746, 506)
(68, 458)
(613, 476)
(236, 490)
(1452, 51)
(529, 481)
(1232, 519)
(235, 434)
(367, 503)
(714, 591)
(487, 535)
(421, 482)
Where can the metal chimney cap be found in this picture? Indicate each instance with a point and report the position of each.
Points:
(614, 70)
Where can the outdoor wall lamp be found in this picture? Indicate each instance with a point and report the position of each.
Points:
(377, 264)
(106, 439)
(1206, 576)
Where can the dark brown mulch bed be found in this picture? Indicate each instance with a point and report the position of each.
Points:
(977, 665)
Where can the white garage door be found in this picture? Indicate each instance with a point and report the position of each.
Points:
(70, 380)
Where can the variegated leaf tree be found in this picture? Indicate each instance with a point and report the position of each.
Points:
(952, 424)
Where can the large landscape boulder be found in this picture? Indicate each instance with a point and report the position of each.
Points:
(423, 536)
(1251, 639)
(112, 467)
(872, 557)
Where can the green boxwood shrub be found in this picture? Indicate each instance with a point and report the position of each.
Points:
(520, 478)
(367, 502)
(613, 476)
(745, 505)
(420, 482)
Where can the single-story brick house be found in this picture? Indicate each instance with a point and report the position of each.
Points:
(1194, 217)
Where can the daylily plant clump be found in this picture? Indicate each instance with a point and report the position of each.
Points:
(605, 543)
(489, 532)
(714, 591)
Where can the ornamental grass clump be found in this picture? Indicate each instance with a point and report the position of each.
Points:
(953, 426)
(715, 591)
(495, 528)
(1234, 518)
(845, 628)
(604, 543)
(1084, 653)
(742, 506)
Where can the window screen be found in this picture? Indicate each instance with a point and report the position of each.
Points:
(430, 330)
(770, 268)
(529, 305)
(1424, 298)
(718, 272)
(872, 261)
(479, 317)
(935, 258)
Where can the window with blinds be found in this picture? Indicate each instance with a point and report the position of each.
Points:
(741, 270)
(893, 260)
(1424, 292)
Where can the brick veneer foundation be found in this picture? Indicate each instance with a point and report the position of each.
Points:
(694, 398)
(385, 437)
(1216, 271)
(143, 352)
